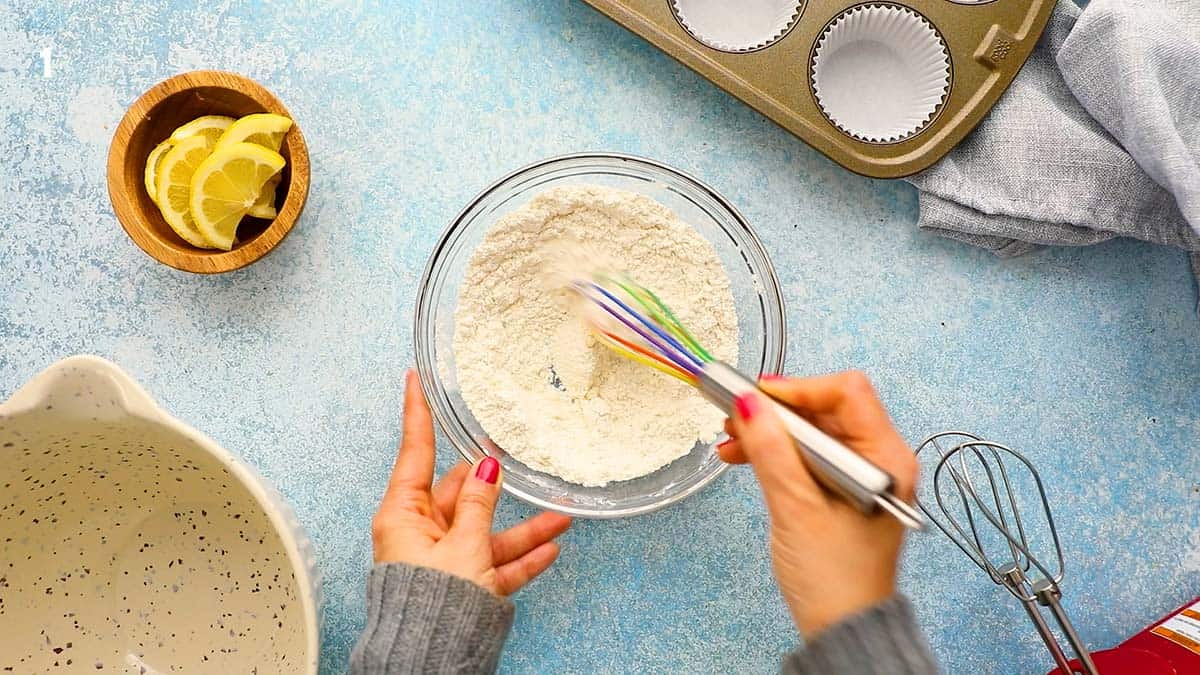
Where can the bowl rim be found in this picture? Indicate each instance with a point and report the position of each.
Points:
(426, 371)
(137, 403)
(133, 221)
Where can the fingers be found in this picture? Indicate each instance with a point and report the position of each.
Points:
(890, 452)
(731, 452)
(820, 393)
(772, 453)
(511, 576)
(528, 535)
(445, 491)
(845, 406)
(476, 503)
(903, 466)
(414, 464)
(842, 403)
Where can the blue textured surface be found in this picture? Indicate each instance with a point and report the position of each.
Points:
(1088, 359)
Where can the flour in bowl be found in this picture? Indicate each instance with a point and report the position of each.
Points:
(534, 377)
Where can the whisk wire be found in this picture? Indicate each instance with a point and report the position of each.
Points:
(660, 312)
(659, 327)
(978, 554)
(975, 554)
(645, 329)
(1003, 513)
(672, 346)
(644, 356)
(976, 449)
(1017, 544)
(1019, 552)
(963, 539)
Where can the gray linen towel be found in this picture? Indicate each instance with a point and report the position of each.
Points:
(1098, 137)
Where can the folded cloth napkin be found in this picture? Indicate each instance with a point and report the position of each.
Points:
(1098, 137)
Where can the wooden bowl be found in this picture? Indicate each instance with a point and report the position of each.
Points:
(150, 120)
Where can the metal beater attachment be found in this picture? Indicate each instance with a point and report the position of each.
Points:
(977, 484)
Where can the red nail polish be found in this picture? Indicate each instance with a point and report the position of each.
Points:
(488, 470)
(770, 377)
(747, 406)
(724, 444)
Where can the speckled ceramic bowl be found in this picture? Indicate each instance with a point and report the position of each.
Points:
(133, 543)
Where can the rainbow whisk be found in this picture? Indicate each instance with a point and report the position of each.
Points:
(634, 322)
(659, 340)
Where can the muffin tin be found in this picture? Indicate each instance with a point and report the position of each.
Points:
(883, 88)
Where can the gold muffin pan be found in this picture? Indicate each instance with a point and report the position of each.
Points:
(883, 88)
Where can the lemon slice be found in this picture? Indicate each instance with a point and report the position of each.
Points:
(209, 126)
(226, 185)
(264, 206)
(265, 129)
(152, 163)
(174, 183)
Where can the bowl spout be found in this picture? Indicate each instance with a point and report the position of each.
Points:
(84, 386)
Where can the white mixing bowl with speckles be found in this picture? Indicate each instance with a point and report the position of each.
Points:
(133, 543)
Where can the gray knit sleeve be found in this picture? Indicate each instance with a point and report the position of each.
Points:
(883, 640)
(420, 620)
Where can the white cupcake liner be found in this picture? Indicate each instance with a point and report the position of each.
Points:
(737, 25)
(880, 72)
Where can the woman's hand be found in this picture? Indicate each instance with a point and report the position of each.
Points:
(448, 526)
(830, 560)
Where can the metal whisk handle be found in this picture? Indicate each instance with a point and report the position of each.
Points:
(838, 468)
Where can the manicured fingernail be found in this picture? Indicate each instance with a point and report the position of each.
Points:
(747, 406)
(724, 444)
(488, 470)
(770, 377)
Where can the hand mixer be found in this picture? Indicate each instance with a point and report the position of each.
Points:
(984, 491)
(656, 338)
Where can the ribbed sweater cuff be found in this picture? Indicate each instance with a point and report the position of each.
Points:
(882, 639)
(421, 620)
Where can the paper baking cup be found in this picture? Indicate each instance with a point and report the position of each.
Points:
(741, 26)
(880, 72)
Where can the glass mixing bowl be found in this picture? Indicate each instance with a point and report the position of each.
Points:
(756, 294)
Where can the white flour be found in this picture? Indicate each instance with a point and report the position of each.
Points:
(517, 336)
